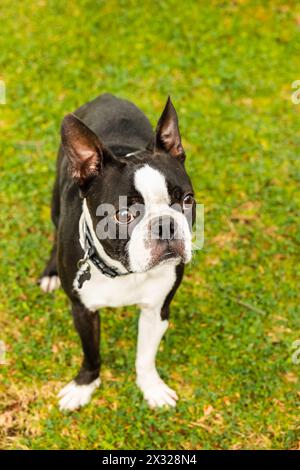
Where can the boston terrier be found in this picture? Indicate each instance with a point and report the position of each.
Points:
(123, 209)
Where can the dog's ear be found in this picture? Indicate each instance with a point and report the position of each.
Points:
(167, 132)
(83, 148)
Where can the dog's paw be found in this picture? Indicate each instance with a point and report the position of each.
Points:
(49, 283)
(158, 394)
(73, 396)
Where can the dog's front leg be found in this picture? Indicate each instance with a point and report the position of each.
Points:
(151, 331)
(78, 392)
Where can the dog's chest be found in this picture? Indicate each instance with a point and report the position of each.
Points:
(149, 288)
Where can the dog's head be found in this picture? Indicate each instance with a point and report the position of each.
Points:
(142, 205)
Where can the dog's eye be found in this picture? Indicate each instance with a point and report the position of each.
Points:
(124, 216)
(188, 201)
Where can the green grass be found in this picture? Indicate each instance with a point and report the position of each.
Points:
(228, 67)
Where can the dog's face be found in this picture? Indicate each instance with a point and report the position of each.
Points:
(142, 205)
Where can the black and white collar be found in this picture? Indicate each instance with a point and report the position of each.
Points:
(93, 250)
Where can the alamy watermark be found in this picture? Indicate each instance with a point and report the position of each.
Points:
(173, 222)
(2, 92)
(296, 94)
(2, 352)
(296, 353)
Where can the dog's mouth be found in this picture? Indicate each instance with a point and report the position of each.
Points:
(169, 255)
(165, 257)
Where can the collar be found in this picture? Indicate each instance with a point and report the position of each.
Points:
(123, 150)
(92, 249)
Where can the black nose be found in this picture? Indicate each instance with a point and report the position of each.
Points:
(163, 228)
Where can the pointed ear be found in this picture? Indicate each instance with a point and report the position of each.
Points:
(82, 147)
(167, 132)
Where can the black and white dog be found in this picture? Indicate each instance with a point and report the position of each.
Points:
(110, 163)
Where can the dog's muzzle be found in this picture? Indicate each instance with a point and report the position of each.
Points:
(166, 239)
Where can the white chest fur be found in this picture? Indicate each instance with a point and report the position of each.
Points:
(148, 289)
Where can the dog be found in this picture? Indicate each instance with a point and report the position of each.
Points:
(112, 253)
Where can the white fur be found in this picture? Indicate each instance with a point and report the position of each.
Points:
(152, 186)
(73, 396)
(151, 331)
(49, 283)
(137, 288)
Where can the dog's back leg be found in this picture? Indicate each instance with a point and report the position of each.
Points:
(78, 392)
(49, 279)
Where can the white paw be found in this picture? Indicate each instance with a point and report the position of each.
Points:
(73, 396)
(49, 283)
(158, 394)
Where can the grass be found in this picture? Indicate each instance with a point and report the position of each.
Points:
(228, 67)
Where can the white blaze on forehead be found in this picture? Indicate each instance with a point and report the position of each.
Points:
(152, 185)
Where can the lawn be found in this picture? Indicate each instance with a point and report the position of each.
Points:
(228, 67)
